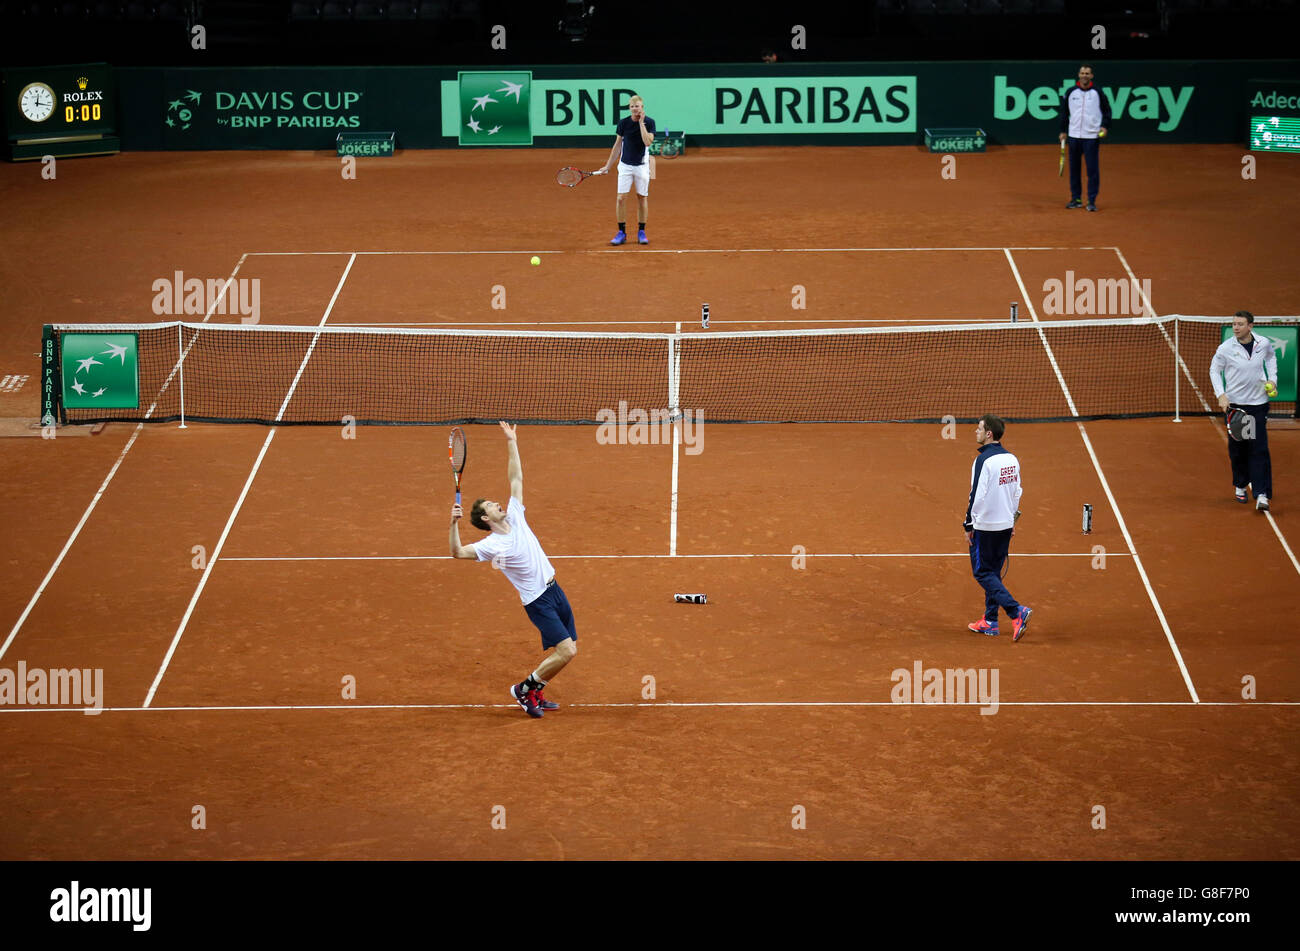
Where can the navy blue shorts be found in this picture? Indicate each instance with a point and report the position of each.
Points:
(551, 613)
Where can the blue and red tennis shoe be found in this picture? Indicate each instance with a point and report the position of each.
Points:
(528, 699)
(984, 626)
(1020, 623)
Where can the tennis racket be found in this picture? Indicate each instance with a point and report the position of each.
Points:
(456, 453)
(1236, 423)
(570, 176)
(1060, 166)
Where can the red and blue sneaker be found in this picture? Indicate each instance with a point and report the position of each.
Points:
(1020, 623)
(544, 703)
(984, 626)
(526, 699)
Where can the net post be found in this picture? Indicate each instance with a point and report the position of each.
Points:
(51, 380)
(1177, 382)
(180, 362)
(674, 374)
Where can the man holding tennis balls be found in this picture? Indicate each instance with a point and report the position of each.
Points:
(1242, 373)
(632, 139)
(512, 547)
(1085, 115)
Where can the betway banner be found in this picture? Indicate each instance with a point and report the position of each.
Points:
(727, 104)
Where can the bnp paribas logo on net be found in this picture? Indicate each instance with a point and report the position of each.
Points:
(494, 108)
(99, 371)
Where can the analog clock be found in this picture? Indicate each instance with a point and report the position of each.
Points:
(36, 101)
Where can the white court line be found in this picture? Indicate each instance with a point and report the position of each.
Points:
(239, 503)
(785, 554)
(812, 250)
(661, 704)
(627, 323)
(1101, 476)
(682, 251)
(207, 571)
(273, 254)
(85, 516)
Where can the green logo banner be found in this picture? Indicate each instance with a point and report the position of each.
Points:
(493, 108)
(1284, 345)
(100, 371)
(791, 105)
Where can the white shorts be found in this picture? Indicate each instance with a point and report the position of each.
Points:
(638, 173)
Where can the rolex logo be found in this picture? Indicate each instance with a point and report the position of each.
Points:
(82, 83)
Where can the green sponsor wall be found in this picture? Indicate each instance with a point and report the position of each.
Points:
(724, 104)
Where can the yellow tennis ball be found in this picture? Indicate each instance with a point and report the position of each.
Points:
(535, 261)
(1102, 134)
(1270, 388)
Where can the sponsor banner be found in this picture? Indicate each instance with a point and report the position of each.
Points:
(827, 103)
(701, 106)
(99, 371)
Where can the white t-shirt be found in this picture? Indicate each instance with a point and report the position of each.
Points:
(518, 554)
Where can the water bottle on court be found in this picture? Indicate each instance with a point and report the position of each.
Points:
(1087, 519)
(704, 316)
(691, 598)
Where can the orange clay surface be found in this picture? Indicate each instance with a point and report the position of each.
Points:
(831, 554)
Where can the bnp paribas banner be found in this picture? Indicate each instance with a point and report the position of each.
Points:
(514, 108)
(864, 103)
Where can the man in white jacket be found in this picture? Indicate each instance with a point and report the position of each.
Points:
(1243, 373)
(991, 515)
(1085, 117)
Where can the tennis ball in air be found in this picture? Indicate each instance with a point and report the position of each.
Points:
(535, 261)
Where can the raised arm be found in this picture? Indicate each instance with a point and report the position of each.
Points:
(514, 469)
(457, 549)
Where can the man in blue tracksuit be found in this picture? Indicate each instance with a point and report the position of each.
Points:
(1085, 117)
(990, 522)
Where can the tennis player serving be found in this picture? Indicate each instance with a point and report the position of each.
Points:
(512, 547)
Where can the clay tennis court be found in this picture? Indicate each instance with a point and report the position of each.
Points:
(831, 554)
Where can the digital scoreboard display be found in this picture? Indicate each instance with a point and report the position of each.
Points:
(1275, 133)
(1274, 110)
(56, 102)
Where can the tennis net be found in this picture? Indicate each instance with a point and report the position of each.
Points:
(1026, 371)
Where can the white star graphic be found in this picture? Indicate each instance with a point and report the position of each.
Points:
(115, 351)
(473, 124)
(87, 363)
(98, 392)
(481, 103)
(511, 89)
(81, 390)
(494, 130)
